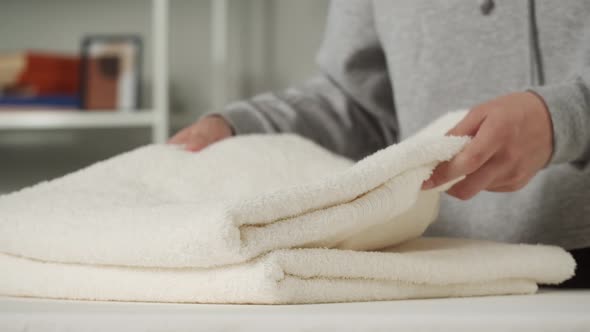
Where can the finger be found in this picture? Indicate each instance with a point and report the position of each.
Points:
(440, 172)
(477, 181)
(474, 155)
(180, 137)
(509, 186)
(196, 143)
(469, 125)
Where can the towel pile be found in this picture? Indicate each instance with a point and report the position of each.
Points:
(256, 219)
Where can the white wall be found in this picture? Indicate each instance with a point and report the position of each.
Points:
(272, 43)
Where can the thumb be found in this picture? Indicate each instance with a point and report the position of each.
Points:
(469, 125)
(448, 171)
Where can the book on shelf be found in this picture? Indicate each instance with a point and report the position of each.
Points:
(51, 102)
(103, 76)
(40, 73)
(39, 80)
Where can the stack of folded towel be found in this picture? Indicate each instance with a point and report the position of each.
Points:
(256, 219)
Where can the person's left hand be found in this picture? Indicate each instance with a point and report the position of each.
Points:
(512, 141)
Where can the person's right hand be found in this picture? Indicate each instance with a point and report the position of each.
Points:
(202, 133)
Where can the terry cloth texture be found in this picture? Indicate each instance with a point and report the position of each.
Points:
(421, 268)
(222, 225)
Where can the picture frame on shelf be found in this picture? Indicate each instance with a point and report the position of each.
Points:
(111, 73)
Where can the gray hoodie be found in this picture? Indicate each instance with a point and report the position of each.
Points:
(390, 67)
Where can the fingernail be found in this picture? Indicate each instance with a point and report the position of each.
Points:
(428, 184)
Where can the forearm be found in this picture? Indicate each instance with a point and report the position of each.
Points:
(318, 110)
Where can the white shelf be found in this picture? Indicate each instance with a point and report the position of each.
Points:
(156, 119)
(52, 120)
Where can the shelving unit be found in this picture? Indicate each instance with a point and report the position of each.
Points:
(54, 120)
(156, 118)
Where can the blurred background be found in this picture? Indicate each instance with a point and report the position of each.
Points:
(85, 80)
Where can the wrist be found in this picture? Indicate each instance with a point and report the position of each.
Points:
(223, 127)
(541, 111)
(566, 105)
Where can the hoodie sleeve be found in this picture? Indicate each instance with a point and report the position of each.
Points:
(348, 108)
(569, 107)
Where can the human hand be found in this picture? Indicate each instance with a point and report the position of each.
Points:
(512, 141)
(202, 133)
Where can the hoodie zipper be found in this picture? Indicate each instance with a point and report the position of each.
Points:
(536, 70)
(536, 59)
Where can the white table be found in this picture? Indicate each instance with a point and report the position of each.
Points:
(549, 310)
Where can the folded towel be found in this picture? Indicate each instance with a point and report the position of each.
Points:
(162, 224)
(160, 206)
(421, 268)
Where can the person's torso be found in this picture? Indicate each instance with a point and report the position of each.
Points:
(447, 55)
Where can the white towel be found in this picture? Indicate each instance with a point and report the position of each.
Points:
(421, 268)
(163, 214)
(164, 207)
